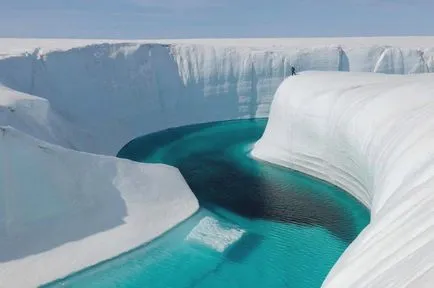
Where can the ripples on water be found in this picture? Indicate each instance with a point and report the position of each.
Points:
(259, 226)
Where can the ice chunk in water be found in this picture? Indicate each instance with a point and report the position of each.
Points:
(211, 233)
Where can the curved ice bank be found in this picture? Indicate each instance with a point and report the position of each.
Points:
(62, 211)
(372, 135)
(119, 91)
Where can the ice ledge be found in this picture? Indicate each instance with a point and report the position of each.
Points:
(62, 211)
(372, 135)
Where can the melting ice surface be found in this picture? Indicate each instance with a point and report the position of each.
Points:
(259, 225)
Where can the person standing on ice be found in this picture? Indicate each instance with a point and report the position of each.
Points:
(293, 71)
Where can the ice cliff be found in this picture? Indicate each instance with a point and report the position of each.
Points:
(372, 135)
(112, 93)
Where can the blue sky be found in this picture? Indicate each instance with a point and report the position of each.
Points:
(214, 18)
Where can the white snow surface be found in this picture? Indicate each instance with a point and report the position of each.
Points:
(209, 232)
(62, 210)
(372, 135)
(112, 92)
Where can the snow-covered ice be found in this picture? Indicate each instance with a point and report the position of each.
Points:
(209, 232)
(372, 135)
(34, 115)
(62, 210)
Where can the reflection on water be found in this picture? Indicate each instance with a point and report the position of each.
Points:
(259, 225)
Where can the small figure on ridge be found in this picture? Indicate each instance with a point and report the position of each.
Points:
(293, 71)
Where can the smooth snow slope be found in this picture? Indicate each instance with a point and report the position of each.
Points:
(62, 211)
(115, 92)
(372, 135)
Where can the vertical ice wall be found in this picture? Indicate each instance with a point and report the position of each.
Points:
(116, 92)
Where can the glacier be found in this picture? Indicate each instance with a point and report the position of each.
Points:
(372, 135)
(65, 103)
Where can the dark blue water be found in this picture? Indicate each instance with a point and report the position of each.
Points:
(259, 226)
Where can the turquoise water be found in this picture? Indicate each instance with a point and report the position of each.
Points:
(281, 228)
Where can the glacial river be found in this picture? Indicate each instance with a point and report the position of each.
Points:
(259, 225)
